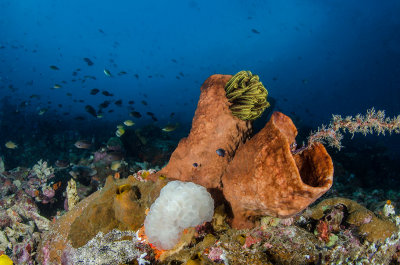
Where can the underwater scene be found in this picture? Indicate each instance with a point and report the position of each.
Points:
(199, 132)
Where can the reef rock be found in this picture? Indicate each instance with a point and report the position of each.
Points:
(213, 128)
(370, 226)
(266, 178)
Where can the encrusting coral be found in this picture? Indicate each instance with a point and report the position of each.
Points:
(369, 225)
(247, 95)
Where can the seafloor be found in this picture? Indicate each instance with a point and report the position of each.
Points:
(84, 202)
(334, 230)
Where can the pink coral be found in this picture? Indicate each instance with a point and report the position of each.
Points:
(215, 254)
(99, 155)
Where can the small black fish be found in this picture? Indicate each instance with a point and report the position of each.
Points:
(111, 111)
(107, 94)
(172, 114)
(137, 76)
(220, 152)
(144, 102)
(53, 67)
(151, 114)
(255, 31)
(174, 61)
(122, 73)
(118, 102)
(131, 102)
(94, 91)
(89, 109)
(80, 118)
(154, 118)
(74, 73)
(88, 61)
(105, 104)
(23, 104)
(81, 100)
(135, 114)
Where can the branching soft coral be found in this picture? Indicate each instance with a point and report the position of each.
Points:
(372, 122)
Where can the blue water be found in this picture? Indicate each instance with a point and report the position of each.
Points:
(316, 58)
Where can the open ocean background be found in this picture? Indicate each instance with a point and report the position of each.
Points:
(316, 58)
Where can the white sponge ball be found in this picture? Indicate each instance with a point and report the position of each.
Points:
(179, 206)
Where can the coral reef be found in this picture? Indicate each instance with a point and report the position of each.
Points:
(21, 224)
(295, 240)
(121, 204)
(39, 186)
(247, 95)
(248, 178)
(213, 127)
(278, 183)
